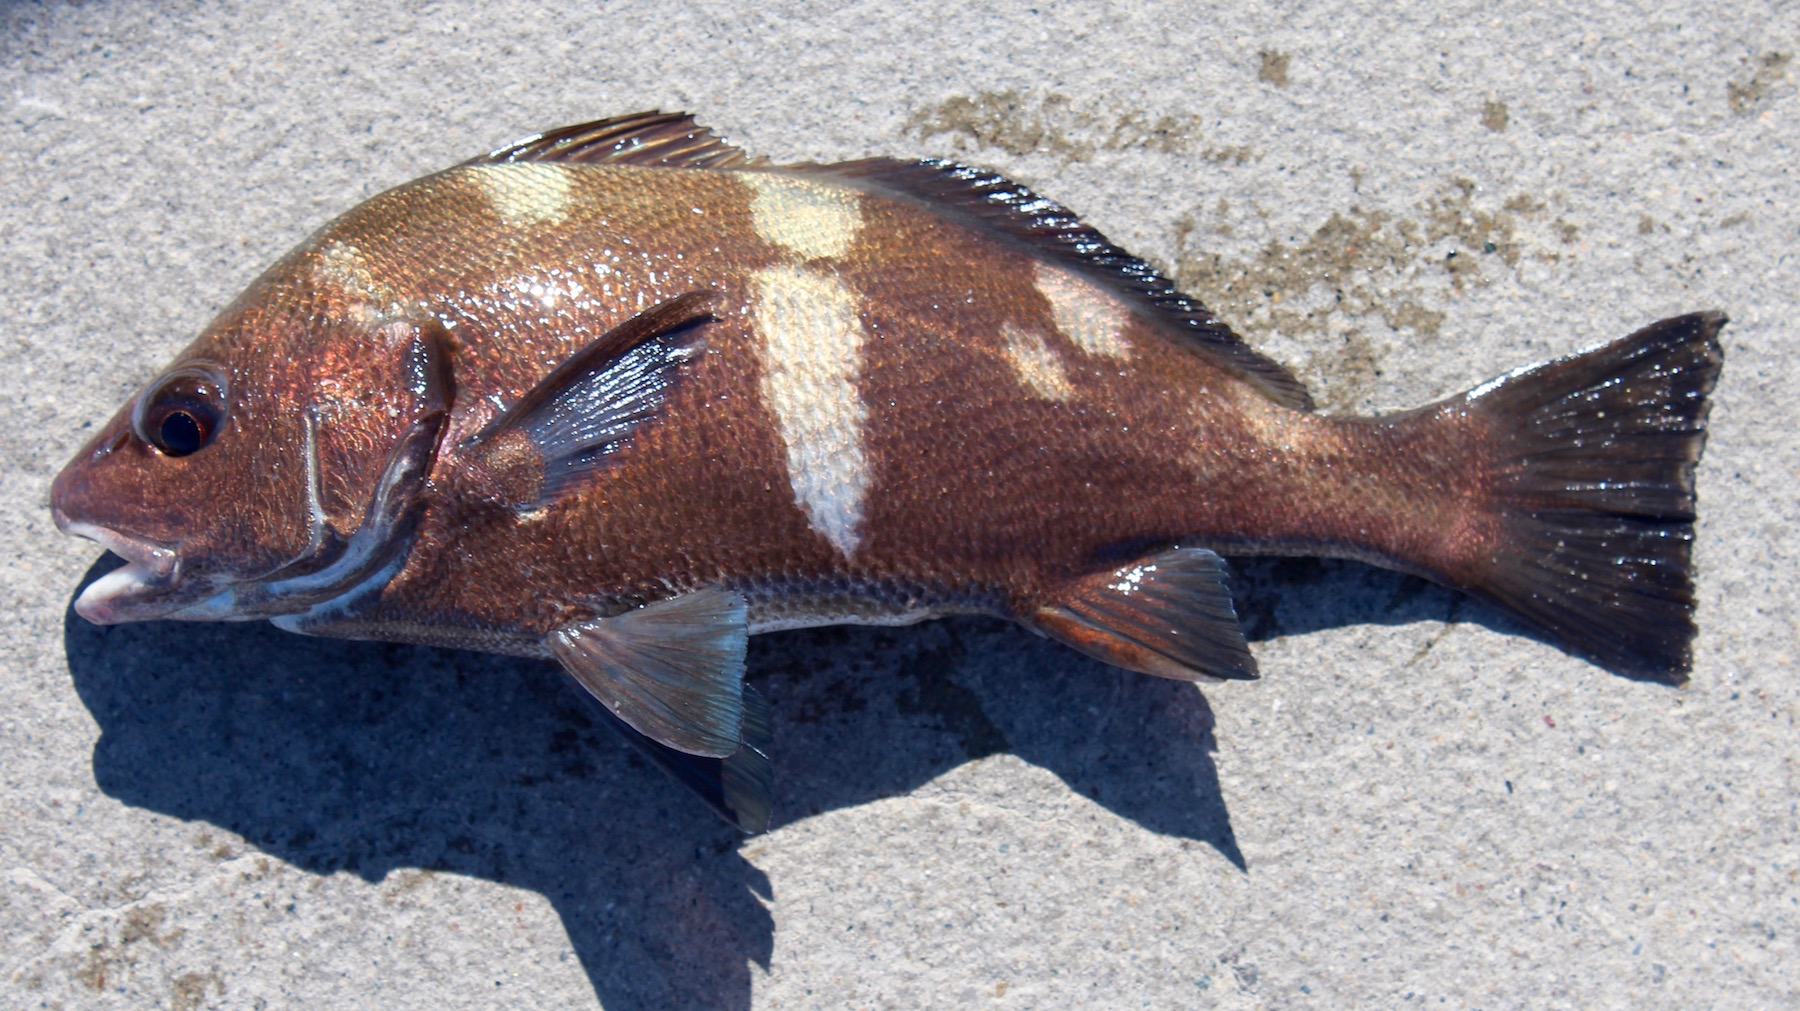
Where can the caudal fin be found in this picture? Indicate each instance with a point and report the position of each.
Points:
(1592, 465)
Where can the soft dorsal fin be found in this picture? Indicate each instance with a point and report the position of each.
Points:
(586, 408)
(997, 205)
(673, 669)
(658, 139)
(1170, 615)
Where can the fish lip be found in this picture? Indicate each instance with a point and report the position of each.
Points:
(149, 572)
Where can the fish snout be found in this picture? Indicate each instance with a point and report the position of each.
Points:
(89, 499)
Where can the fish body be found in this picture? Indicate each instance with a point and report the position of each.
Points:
(622, 396)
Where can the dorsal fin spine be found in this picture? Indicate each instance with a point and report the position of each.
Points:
(660, 139)
(1000, 207)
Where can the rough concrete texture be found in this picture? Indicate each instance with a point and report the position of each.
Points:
(1418, 804)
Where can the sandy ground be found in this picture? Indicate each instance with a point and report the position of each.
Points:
(1418, 804)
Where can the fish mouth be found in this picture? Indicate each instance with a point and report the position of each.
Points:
(139, 589)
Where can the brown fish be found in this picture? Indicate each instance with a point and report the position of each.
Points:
(621, 396)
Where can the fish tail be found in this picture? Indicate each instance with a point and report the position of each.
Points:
(1588, 464)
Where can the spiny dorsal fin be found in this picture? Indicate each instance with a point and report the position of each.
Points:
(1170, 615)
(997, 205)
(658, 139)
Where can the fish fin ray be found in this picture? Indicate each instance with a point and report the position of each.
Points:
(994, 204)
(747, 776)
(653, 138)
(1170, 615)
(570, 422)
(1593, 458)
(673, 669)
(738, 786)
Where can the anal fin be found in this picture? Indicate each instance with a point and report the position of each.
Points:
(1169, 615)
(672, 670)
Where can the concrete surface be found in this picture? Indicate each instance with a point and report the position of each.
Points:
(1418, 805)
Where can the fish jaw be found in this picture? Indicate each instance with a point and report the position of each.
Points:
(147, 586)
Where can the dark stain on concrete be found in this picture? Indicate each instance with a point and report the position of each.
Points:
(1352, 366)
(836, 699)
(1021, 123)
(1769, 70)
(144, 923)
(1524, 203)
(1494, 116)
(1274, 69)
(793, 676)
(111, 960)
(188, 991)
(1358, 256)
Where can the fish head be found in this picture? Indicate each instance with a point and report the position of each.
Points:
(272, 465)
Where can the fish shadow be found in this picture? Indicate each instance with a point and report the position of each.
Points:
(1291, 596)
(373, 758)
(1275, 597)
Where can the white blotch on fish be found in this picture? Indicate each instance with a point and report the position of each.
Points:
(1036, 365)
(526, 192)
(804, 217)
(812, 346)
(1084, 313)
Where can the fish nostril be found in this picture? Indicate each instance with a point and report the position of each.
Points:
(111, 445)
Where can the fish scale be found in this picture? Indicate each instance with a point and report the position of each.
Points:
(622, 396)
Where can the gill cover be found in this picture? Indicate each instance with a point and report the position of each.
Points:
(339, 560)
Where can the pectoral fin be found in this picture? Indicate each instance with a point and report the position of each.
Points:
(1169, 615)
(588, 407)
(672, 670)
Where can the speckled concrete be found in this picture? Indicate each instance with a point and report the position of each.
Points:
(1416, 805)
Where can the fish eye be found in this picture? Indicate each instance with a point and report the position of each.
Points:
(182, 411)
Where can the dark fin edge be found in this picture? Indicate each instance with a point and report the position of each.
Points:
(656, 139)
(589, 406)
(737, 787)
(992, 203)
(1593, 462)
(1170, 615)
(681, 311)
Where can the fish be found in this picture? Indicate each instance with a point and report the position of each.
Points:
(621, 396)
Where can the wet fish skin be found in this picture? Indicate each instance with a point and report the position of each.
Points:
(622, 396)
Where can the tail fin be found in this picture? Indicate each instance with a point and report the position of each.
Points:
(1592, 462)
